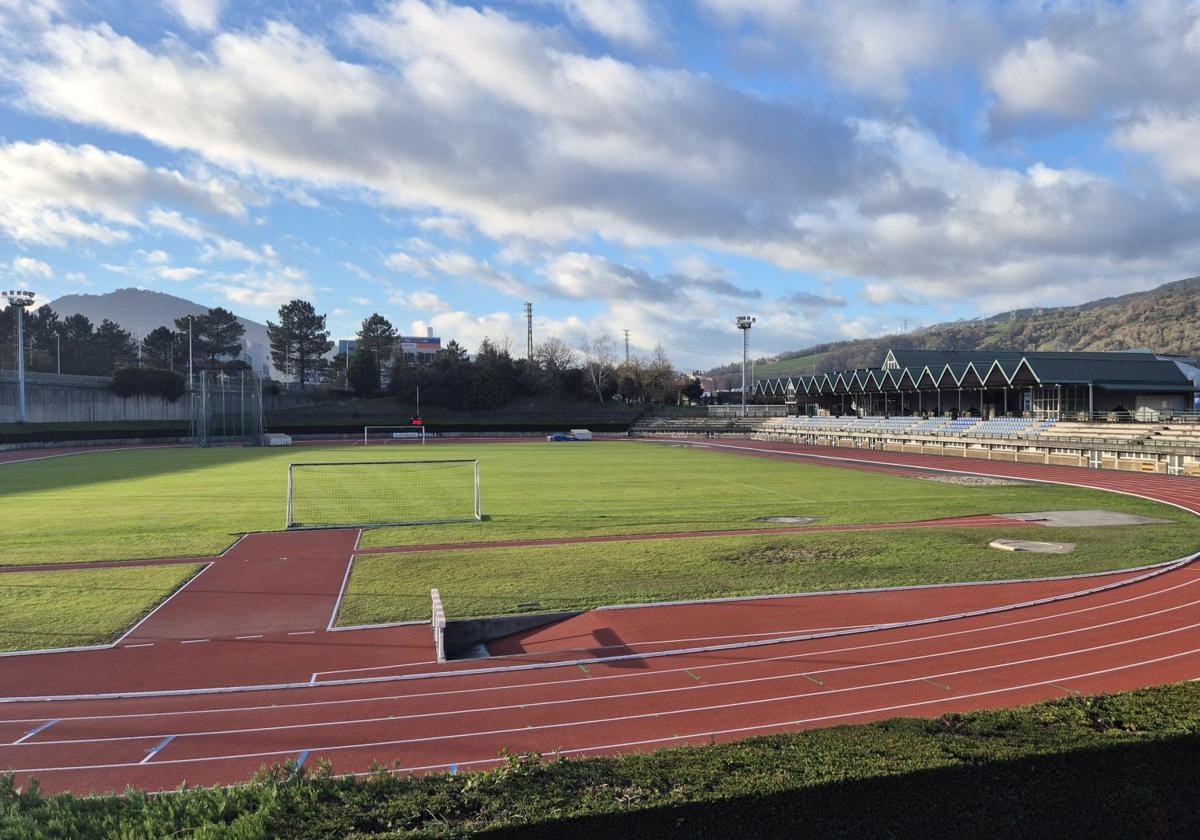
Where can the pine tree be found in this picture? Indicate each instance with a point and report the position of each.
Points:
(299, 340)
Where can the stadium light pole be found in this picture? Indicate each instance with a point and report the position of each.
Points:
(744, 323)
(19, 299)
(191, 383)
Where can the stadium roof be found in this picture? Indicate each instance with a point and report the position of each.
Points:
(1138, 370)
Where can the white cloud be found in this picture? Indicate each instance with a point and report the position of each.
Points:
(52, 193)
(883, 294)
(421, 300)
(30, 267)
(1168, 137)
(158, 257)
(406, 264)
(180, 273)
(622, 21)
(465, 267)
(263, 291)
(200, 15)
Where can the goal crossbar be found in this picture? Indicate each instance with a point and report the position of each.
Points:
(359, 494)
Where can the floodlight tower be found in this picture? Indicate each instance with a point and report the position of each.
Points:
(744, 323)
(19, 299)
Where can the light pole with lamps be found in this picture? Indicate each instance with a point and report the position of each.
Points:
(19, 299)
(744, 323)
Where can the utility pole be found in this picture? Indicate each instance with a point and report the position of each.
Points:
(58, 352)
(19, 299)
(626, 345)
(744, 323)
(529, 332)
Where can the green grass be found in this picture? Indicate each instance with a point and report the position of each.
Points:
(86, 607)
(395, 587)
(190, 502)
(1113, 766)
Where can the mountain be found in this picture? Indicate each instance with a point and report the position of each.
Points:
(140, 310)
(1165, 319)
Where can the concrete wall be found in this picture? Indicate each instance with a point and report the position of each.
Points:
(86, 399)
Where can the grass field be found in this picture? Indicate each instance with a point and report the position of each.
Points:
(395, 587)
(85, 607)
(190, 502)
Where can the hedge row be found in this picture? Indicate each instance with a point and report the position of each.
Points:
(1122, 765)
(70, 432)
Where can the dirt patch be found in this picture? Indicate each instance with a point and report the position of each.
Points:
(974, 480)
(1083, 518)
(787, 520)
(780, 554)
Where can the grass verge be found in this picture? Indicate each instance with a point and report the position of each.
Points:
(395, 587)
(1120, 765)
(86, 607)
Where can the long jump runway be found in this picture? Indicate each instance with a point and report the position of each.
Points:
(257, 619)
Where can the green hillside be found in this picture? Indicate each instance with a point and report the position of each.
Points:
(1165, 320)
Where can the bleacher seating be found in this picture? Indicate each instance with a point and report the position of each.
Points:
(1002, 427)
(928, 427)
(957, 427)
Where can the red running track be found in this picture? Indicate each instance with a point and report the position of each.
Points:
(612, 680)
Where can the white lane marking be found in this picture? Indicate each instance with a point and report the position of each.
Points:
(600, 660)
(194, 641)
(35, 731)
(139, 645)
(524, 729)
(375, 668)
(302, 632)
(255, 636)
(620, 676)
(728, 683)
(337, 604)
(169, 599)
(157, 749)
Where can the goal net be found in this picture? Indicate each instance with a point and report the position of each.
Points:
(393, 434)
(350, 495)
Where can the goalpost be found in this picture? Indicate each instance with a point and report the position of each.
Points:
(366, 493)
(392, 434)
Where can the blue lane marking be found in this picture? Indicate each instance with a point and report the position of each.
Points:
(33, 732)
(157, 749)
(300, 761)
(453, 769)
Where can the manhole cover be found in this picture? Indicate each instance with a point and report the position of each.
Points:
(786, 520)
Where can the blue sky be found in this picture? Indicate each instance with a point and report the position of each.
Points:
(836, 169)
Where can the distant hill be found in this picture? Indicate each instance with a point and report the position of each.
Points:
(140, 310)
(1165, 320)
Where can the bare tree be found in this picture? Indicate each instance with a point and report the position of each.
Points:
(599, 360)
(553, 355)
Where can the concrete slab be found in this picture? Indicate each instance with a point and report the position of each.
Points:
(1082, 518)
(1033, 546)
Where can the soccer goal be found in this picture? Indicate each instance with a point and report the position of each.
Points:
(393, 434)
(352, 495)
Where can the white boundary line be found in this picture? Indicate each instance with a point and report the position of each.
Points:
(690, 710)
(712, 666)
(701, 686)
(168, 600)
(598, 660)
(6, 461)
(120, 638)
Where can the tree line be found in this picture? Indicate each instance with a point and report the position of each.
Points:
(74, 345)
(300, 343)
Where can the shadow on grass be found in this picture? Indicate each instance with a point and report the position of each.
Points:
(1146, 790)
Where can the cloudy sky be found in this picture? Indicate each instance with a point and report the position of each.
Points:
(836, 169)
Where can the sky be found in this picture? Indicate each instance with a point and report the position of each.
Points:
(838, 170)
